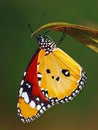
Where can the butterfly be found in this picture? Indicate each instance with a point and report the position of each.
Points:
(52, 77)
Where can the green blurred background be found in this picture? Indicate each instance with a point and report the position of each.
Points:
(17, 47)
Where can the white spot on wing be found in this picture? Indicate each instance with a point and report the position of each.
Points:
(80, 87)
(20, 92)
(42, 104)
(70, 97)
(29, 86)
(44, 108)
(39, 82)
(77, 91)
(25, 96)
(37, 99)
(41, 111)
(22, 82)
(73, 94)
(18, 110)
(24, 73)
(46, 95)
(39, 75)
(38, 67)
(32, 104)
(82, 83)
(66, 99)
(22, 120)
(38, 107)
(61, 101)
(48, 105)
(20, 115)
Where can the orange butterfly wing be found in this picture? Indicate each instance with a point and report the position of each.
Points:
(62, 77)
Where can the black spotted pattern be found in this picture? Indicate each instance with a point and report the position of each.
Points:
(48, 71)
(39, 76)
(46, 43)
(52, 77)
(44, 104)
(58, 78)
(66, 72)
(74, 93)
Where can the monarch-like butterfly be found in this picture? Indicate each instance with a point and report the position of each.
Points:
(52, 77)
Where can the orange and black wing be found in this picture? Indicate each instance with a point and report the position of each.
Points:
(31, 103)
(62, 78)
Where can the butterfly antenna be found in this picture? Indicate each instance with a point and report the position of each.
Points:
(62, 36)
(47, 32)
(29, 26)
(41, 18)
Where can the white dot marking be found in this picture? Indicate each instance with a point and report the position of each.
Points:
(37, 67)
(46, 95)
(82, 83)
(22, 82)
(39, 82)
(62, 101)
(29, 86)
(22, 120)
(20, 91)
(73, 94)
(38, 107)
(25, 96)
(24, 73)
(56, 100)
(37, 99)
(77, 91)
(20, 115)
(41, 111)
(80, 87)
(66, 99)
(70, 98)
(32, 104)
(48, 105)
(18, 110)
(42, 104)
(39, 75)
(44, 108)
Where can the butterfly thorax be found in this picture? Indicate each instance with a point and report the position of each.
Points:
(46, 43)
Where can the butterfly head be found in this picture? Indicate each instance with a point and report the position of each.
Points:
(46, 43)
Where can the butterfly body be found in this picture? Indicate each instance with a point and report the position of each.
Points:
(52, 77)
